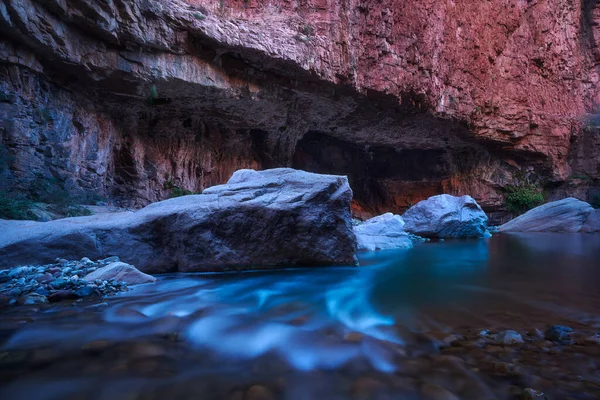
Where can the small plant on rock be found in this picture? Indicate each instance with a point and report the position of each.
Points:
(14, 208)
(522, 198)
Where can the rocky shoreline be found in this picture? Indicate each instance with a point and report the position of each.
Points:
(67, 280)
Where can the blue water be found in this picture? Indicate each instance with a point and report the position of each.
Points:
(318, 319)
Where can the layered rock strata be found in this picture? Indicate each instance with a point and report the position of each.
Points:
(132, 99)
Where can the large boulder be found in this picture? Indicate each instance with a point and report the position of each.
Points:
(592, 224)
(277, 217)
(566, 215)
(382, 233)
(446, 216)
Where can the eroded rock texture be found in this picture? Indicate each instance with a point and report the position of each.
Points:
(409, 98)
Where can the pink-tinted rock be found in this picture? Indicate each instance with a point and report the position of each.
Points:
(409, 98)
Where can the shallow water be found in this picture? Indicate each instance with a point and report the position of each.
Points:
(378, 331)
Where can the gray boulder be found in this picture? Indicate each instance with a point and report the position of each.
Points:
(382, 233)
(566, 215)
(592, 224)
(446, 216)
(121, 272)
(266, 219)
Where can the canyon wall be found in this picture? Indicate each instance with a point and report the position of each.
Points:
(409, 98)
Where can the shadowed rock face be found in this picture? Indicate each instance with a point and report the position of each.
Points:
(409, 99)
(273, 218)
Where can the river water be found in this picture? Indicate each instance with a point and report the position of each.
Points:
(404, 325)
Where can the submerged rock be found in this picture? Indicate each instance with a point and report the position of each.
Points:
(558, 333)
(277, 217)
(508, 337)
(121, 272)
(381, 233)
(446, 216)
(566, 215)
(23, 285)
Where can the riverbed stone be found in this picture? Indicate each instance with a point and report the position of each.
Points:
(508, 337)
(532, 394)
(259, 219)
(567, 216)
(446, 216)
(120, 271)
(558, 333)
(33, 298)
(383, 232)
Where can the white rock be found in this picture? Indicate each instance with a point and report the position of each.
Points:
(277, 217)
(567, 215)
(383, 232)
(446, 216)
(120, 272)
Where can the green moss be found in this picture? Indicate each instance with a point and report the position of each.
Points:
(14, 208)
(581, 177)
(76, 211)
(178, 192)
(199, 16)
(522, 198)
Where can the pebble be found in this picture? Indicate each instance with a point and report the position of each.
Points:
(593, 339)
(508, 338)
(33, 298)
(59, 283)
(507, 369)
(558, 333)
(258, 392)
(532, 394)
(431, 391)
(55, 282)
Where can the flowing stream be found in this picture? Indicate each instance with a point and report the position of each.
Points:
(378, 331)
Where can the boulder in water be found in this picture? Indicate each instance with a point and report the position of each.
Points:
(592, 224)
(120, 272)
(567, 215)
(382, 233)
(446, 216)
(266, 219)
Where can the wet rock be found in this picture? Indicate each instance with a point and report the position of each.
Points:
(567, 215)
(532, 394)
(59, 283)
(61, 295)
(535, 334)
(258, 392)
(508, 338)
(33, 298)
(85, 291)
(446, 216)
(381, 233)
(509, 369)
(558, 333)
(121, 272)
(595, 339)
(431, 391)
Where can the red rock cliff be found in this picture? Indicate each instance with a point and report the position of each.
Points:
(408, 97)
